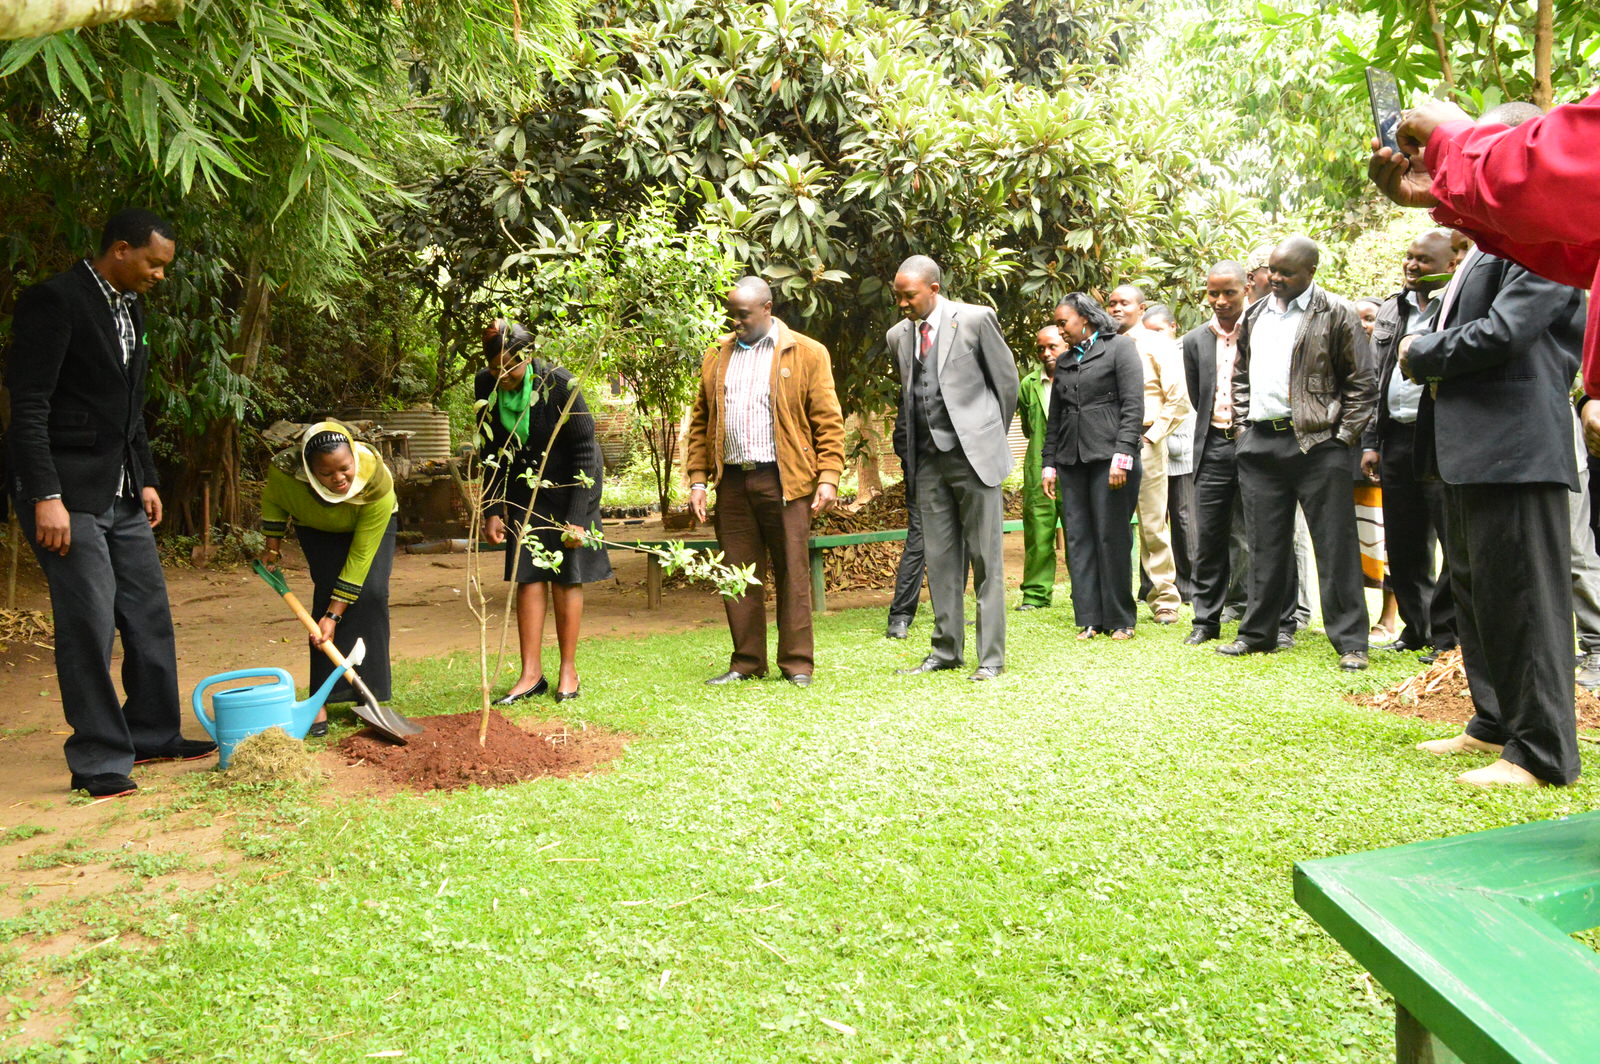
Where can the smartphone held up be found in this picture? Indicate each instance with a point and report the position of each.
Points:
(1384, 93)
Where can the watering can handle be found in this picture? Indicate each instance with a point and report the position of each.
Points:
(206, 721)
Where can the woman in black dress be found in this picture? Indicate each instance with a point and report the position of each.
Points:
(1091, 462)
(533, 426)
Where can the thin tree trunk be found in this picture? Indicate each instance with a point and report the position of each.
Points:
(869, 475)
(1436, 30)
(1543, 43)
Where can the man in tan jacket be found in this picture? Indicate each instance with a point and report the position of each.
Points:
(1166, 404)
(768, 432)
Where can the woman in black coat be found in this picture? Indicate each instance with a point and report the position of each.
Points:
(533, 426)
(1091, 462)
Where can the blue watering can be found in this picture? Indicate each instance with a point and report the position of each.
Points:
(242, 712)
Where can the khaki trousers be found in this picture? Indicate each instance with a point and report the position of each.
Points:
(1155, 538)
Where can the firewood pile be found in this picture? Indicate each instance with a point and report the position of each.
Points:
(872, 565)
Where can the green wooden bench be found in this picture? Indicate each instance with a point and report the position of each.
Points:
(816, 545)
(1472, 936)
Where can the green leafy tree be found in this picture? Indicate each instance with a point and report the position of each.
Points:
(825, 140)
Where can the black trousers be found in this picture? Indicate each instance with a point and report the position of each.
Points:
(1413, 521)
(908, 576)
(1181, 518)
(110, 582)
(1509, 548)
(1217, 509)
(1099, 542)
(1274, 474)
(366, 619)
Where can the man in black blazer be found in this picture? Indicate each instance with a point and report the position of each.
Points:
(1413, 501)
(1499, 367)
(1209, 352)
(85, 490)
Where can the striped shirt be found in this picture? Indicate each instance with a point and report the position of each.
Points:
(119, 302)
(747, 402)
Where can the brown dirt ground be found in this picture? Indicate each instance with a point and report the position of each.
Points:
(1451, 703)
(226, 619)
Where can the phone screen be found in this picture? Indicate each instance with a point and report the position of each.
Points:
(1384, 92)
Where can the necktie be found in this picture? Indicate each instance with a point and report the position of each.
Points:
(926, 346)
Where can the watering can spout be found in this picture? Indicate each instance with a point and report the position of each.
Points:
(306, 712)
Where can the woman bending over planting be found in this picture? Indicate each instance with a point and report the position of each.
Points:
(340, 497)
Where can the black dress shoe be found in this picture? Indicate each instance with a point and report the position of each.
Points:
(1239, 648)
(732, 676)
(533, 692)
(567, 696)
(1197, 636)
(1354, 661)
(104, 784)
(985, 673)
(1400, 646)
(182, 750)
(800, 679)
(1023, 607)
(897, 629)
(1285, 641)
(318, 729)
(1430, 657)
(928, 664)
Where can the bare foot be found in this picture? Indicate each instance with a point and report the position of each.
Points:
(1501, 774)
(1459, 744)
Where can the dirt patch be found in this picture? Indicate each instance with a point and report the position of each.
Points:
(447, 756)
(1441, 695)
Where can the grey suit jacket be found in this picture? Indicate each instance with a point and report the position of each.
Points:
(978, 378)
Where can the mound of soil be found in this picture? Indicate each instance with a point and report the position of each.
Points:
(1441, 695)
(447, 757)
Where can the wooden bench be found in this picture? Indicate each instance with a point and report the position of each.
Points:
(816, 545)
(1472, 936)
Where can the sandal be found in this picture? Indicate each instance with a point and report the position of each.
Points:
(1088, 633)
(1122, 634)
(1380, 633)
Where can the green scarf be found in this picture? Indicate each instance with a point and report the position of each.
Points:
(512, 407)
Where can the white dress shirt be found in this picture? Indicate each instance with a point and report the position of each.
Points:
(1272, 337)
(1403, 397)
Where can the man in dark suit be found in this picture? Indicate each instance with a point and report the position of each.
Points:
(1302, 389)
(85, 490)
(1209, 352)
(958, 395)
(1499, 368)
(1413, 502)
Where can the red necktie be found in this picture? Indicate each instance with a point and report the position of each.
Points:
(927, 340)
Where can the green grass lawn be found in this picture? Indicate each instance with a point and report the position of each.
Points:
(1087, 860)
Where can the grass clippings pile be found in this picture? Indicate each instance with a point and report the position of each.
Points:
(447, 755)
(272, 757)
(1441, 694)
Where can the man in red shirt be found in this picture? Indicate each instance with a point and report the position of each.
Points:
(1523, 193)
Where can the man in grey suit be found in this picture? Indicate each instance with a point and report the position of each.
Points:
(958, 394)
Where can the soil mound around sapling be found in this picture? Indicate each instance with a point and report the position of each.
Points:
(447, 757)
(1441, 694)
